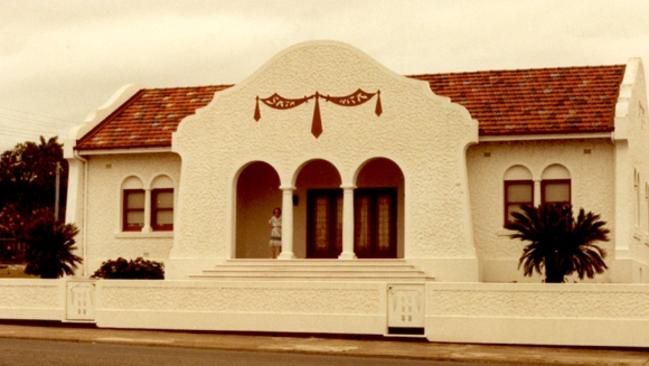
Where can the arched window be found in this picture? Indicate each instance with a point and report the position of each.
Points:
(518, 190)
(162, 204)
(555, 185)
(132, 204)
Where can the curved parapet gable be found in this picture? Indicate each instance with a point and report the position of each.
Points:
(94, 118)
(271, 115)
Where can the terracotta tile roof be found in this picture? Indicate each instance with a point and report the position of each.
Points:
(535, 101)
(148, 118)
(508, 102)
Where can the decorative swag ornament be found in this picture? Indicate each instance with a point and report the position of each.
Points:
(356, 98)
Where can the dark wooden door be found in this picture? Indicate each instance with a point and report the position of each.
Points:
(375, 222)
(324, 223)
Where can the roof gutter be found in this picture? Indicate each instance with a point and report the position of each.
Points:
(133, 150)
(558, 136)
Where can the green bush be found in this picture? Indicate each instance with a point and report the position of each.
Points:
(138, 269)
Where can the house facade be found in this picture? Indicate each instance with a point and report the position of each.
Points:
(370, 169)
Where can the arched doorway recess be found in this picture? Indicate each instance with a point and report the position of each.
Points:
(379, 210)
(318, 211)
(257, 193)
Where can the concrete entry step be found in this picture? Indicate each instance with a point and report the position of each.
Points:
(315, 269)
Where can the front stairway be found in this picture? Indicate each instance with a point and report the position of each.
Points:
(314, 270)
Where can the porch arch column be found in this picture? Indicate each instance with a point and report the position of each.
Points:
(287, 223)
(348, 223)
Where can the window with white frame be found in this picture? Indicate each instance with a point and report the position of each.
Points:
(518, 190)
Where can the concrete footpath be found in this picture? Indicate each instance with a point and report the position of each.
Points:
(352, 346)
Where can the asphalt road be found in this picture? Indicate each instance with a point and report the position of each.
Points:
(18, 352)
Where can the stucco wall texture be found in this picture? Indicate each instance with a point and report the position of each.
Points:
(592, 174)
(632, 152)
(424, 134)
(450, 202)
(105, 238)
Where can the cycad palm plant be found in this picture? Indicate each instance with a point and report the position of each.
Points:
(50, 246)
(559, 243)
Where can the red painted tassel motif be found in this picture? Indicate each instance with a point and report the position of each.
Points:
(379, 108)
(358, 97)
(316, 124)
(257, 115)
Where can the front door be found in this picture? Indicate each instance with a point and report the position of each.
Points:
(375, 222)
(324, 223)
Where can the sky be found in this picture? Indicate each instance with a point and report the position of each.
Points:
(60, 60)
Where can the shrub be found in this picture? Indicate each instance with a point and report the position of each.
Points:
(50, 246)
(138, 269)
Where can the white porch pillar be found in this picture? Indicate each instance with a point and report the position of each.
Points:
(348, 223)
(287, 223)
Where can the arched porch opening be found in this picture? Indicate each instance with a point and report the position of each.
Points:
(379, 210)
(317, 211)
(257, 193)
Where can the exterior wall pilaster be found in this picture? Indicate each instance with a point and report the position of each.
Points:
(624, 221)
(537, 191)
(147, 211)
(74, 212)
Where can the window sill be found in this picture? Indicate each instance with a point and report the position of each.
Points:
(504, 232)
(144, 235)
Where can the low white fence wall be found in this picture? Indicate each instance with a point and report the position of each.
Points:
(323, 307)
(32, 299)
(550, 314)
(511, 313)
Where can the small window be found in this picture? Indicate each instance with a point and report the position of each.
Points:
(518, 193)
(162, 209)
(133, 210)
(555, 191)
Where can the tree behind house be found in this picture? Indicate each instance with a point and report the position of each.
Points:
(27, 175)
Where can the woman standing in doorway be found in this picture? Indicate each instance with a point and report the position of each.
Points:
(275, 224)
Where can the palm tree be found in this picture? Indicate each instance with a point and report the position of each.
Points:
(50, 246)
(558, 243)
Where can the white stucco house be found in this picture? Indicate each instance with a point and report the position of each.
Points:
(190, 177)
(384, 180)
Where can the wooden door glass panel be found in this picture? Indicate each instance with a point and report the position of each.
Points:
(375, 222)
(362, 223)
(324, 223)
(321, 223)
(384, 219)
(339, 223)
